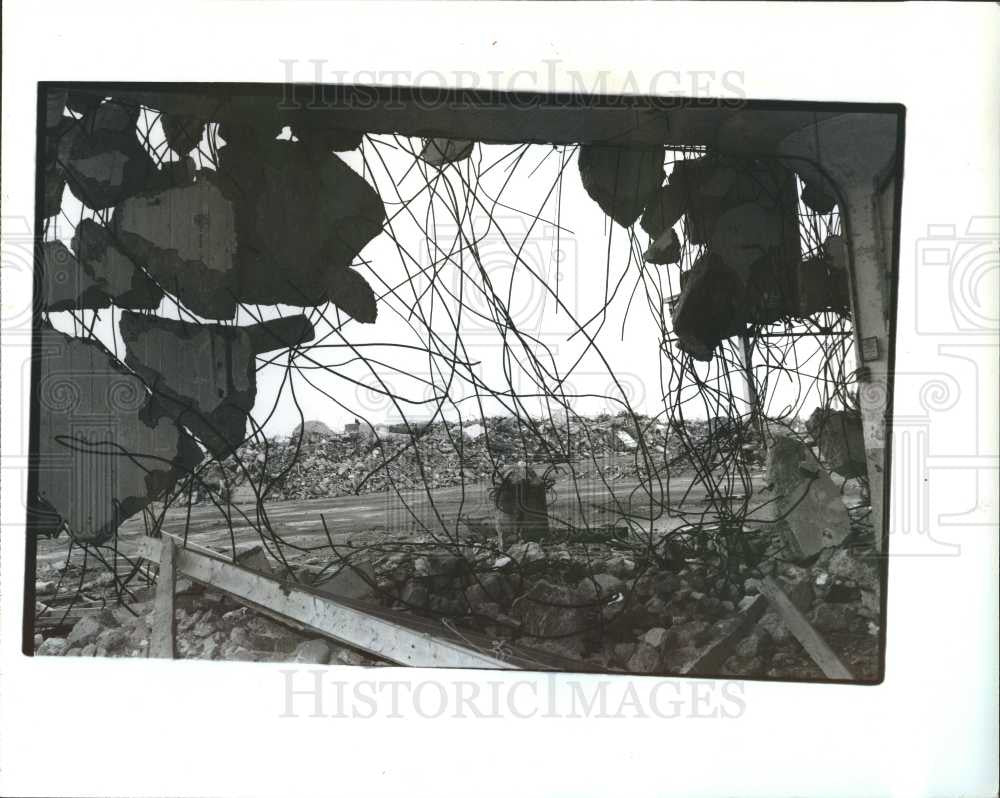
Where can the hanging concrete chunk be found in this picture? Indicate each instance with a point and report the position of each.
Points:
(102, 157)
(817, 199)
(111, 270)
(203, 376)
(663, 211)
(439, 152)
(665, 249)
(621, 180)
(82, 102)
(707, 310)
(183, 133)
(66, 286)
(807, 511)
(99, 460)
(821, 287)
(185, 237)
(840, 439)
(301, 218)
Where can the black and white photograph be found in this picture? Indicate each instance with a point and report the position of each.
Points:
(526, 393)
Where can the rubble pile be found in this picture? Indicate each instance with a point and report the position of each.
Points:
(321, 463)
(208, 626)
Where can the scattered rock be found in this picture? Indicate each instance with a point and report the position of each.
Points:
(550, 610)
(312, 652)
(52, 647)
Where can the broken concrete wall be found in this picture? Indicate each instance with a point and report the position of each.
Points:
(100, 461)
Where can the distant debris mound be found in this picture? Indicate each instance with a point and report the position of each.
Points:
(312, 428)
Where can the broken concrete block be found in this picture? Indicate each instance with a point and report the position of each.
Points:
(301, 218)
(744, 233)
(99, 460)
(821, 287)
(839, 436)
(663, 211)
(621, 181)
(439, 152)
(550, 610)
(111, 270)
(665, 249)
(102, 157)
(185, 237)
(522, 507)
(66, 286)
(254, 558)
(355, 580)
(817, 199)
(311, 652)
(203, 375)
(807, 511)
(183, 133)
(708, 308)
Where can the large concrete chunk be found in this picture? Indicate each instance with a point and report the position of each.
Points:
(112, 270)
(301, 216)
(840, 439)
(99, 460)
(665, 249)
(663, 211)
(66, 286)
(102, 158)
(204, 375)
(522, 509)
(551, 610)
(185, 237)
(183, 133)
(708, 308)
(807, 510)
(621, 180)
